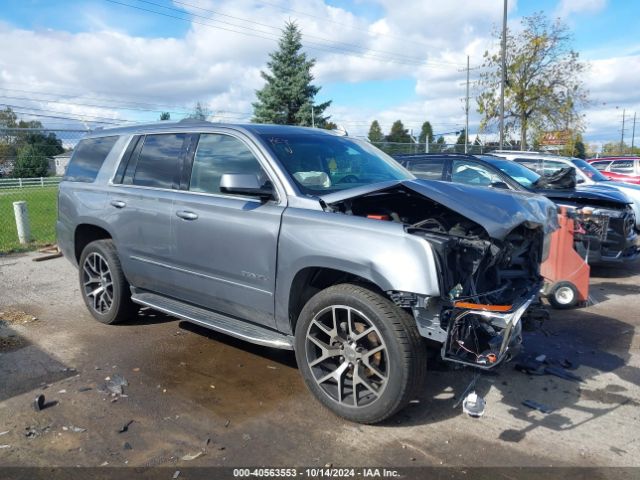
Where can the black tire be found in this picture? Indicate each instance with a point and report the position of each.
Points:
(404, 351)
(563, 295)
(121, 307)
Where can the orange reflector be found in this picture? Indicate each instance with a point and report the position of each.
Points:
(492, 358)
(486, 308)
(378, 217)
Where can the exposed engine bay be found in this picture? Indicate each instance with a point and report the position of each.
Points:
(486, 284)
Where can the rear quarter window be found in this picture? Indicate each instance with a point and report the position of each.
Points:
(88, 157)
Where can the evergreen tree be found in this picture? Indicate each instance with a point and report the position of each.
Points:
(31, 162)
(165, 116)
(200, 112)
(398, 133)
(375, 133)
(288, 96)
(426, 134)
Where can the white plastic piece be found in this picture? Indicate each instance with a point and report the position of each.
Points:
(473, 405)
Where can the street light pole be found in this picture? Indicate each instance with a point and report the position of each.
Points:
(622, 133)
(504, 73)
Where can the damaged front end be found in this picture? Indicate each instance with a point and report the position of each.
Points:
(488, 247)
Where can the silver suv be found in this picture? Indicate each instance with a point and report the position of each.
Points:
(302, 239)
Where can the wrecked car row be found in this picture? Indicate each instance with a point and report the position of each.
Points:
(302, 239)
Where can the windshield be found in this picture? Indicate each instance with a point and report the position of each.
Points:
(321, 164)
(589, 170)
(519, 173)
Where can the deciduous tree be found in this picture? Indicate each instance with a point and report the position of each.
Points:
(544, 87)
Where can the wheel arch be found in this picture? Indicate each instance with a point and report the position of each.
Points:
(310, 280)
(84, 234)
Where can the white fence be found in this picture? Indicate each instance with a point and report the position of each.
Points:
(12, 183)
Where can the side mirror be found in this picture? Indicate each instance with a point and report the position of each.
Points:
(502, 185)
(579, 180)
(245, 184)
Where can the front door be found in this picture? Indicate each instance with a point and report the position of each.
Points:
(226, 245)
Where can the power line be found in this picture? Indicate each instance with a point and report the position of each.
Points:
(278, 29)
(273, 37)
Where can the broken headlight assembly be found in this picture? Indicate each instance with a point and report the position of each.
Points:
(483, 335)
(594, 222)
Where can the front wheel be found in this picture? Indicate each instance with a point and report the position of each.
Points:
(359, 353)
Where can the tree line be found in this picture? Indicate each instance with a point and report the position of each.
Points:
(25, 148)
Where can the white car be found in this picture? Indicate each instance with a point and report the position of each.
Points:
(586, 174)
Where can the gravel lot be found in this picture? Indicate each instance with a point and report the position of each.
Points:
(191, 390)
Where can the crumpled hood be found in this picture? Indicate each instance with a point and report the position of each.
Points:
(590, 195)
(497, 211)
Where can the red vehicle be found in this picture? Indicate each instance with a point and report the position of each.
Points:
(621, 169)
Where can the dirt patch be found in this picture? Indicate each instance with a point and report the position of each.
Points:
(16, 317)
(11, 343)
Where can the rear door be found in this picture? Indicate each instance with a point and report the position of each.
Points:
(226, 245)
(428, 168)
(140, 204)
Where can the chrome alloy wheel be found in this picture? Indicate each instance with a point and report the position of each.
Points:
(347, 356)
(97, 283)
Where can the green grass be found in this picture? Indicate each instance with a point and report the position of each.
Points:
(42, 204)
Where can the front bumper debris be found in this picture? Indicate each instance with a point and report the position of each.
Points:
(484, 336)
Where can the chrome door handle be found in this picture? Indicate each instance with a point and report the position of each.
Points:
(187, 215)
(118, 203)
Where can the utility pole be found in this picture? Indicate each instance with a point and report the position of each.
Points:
(466, 108)
(622, 134)
(504, 73)
(313, 118)
(633, 132)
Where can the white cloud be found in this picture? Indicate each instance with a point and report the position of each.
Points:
(569, 7)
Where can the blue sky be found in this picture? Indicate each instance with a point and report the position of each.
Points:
(361, 87)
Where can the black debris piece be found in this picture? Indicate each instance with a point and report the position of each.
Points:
(84, 389)
(562, 373)
(125, 427)
(39, 403)
(127, 446)
(537, 406)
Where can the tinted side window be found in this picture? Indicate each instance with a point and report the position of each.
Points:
(218, 154)
(472, 173)
(428, 169)
(88, 157)
(159, 160)
(622, 166)
(601, 165)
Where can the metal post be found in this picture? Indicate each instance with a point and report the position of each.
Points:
(20, 182)
(41, 181)
(466, 128)
(21, 213)
(633, 132)
(504, 73)
(313, 118)
(622, 133)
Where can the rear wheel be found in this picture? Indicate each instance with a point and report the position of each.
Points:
(104, 288)
(359, 354)
(563, 295)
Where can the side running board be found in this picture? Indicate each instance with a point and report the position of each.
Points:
(215, 321)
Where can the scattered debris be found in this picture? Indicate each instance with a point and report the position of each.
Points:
(74, 429)
(84, 389)
(246, 436)
(5, 446)
(104, 464)
(125, 427)
(50, 252)
(537, 406)
(543, 365)
(226, 424)
(127, 446)
(188, 457)
(473, 405)
(272, 367)
(62, 391)
(176, 474)
(33, 432)
(39, 403)
(136, 369)
(4, 433)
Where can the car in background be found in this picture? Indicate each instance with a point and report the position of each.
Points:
(586, 174)
(621, 169)
(605, 217)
